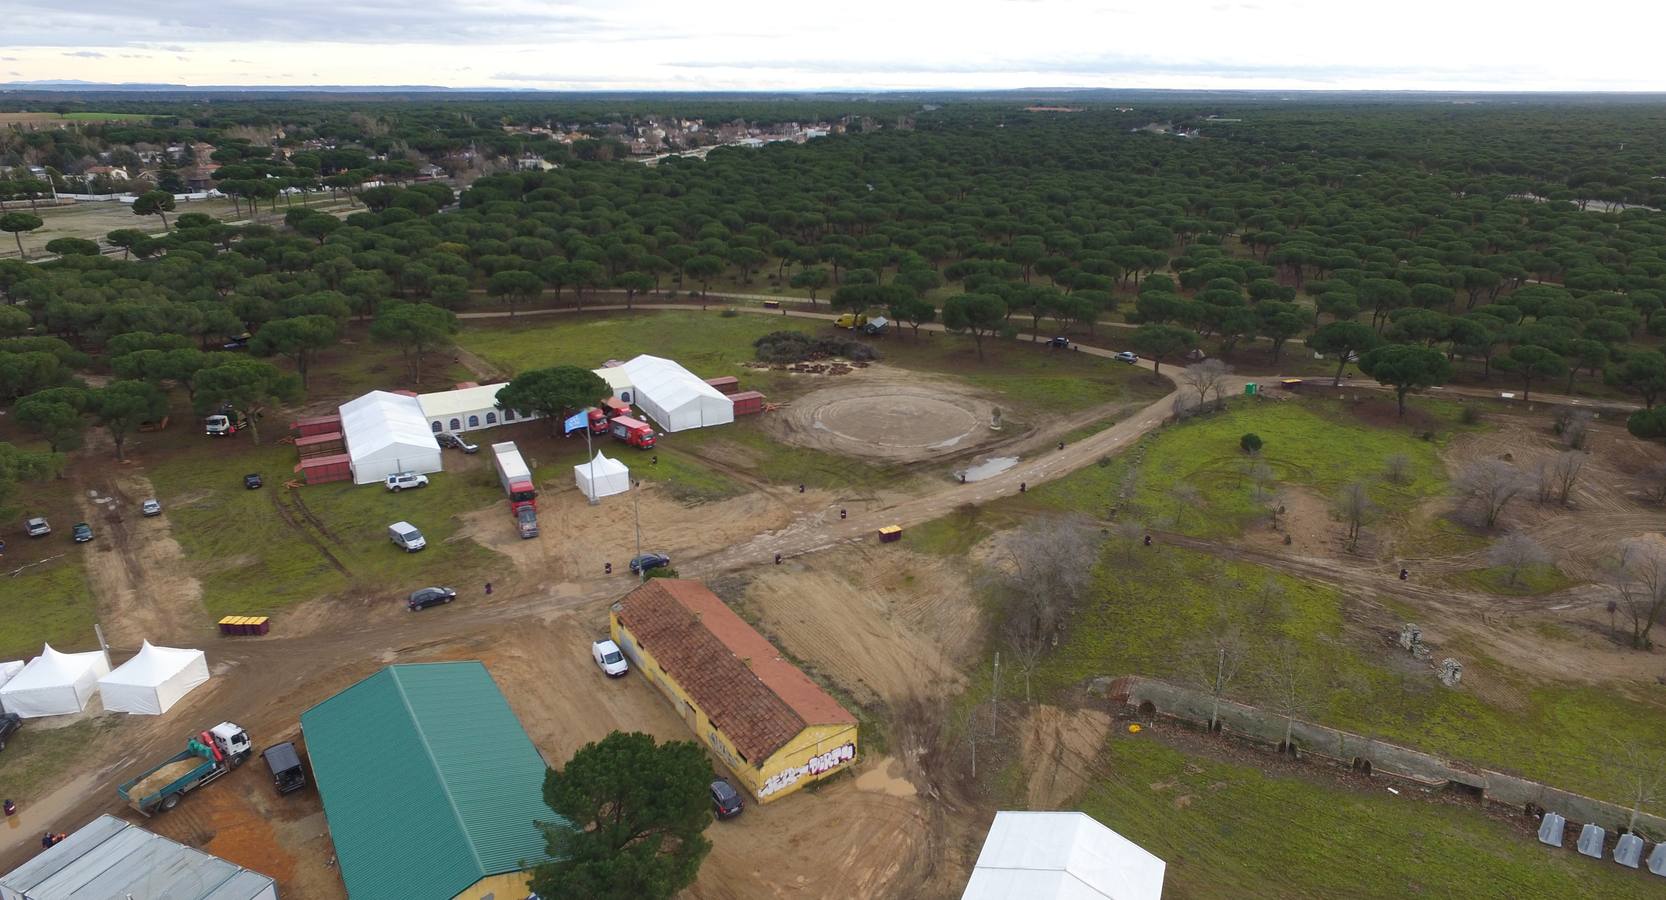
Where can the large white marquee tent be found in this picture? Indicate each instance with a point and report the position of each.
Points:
(674, 397)
(54, 684)
(7, 670)
(467, 409)
(154, 680)
(1061, 856)
(602, 477)
(387, 433)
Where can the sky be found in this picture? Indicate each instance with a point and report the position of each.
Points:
(772, 45)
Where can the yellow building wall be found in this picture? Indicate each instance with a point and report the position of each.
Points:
(508, 886)
(813, 753)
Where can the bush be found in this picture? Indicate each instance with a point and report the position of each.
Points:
(796, 346)
(1251, 443)
(662, 572)
(1471, 415)
(729, 313)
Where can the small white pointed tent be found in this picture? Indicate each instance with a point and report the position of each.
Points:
(602, 477)
(54, 684)
(156, 679)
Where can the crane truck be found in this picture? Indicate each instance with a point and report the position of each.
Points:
(207, 755)
(516, 478)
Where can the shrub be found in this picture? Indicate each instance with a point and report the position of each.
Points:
(796, 346)
(1251, 443)
(1471, 415)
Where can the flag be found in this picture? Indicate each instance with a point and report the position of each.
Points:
(580, 419)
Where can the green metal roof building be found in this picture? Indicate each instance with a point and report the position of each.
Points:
(431, 787)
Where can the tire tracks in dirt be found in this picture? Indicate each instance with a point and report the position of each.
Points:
(288, 515)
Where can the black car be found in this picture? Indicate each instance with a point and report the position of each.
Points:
(9, 724)
(429, 596)
(82, 532)
(726, 801)
(253, 481)
(1062, 343)
(447, 439)
(649, 561)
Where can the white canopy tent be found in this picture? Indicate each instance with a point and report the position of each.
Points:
(54, 684)
(7, 670)
(156, 679)
(1061, 856)
(674, 397)
(387, 433)
(602, 477)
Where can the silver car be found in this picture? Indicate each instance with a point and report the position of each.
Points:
(150, 508)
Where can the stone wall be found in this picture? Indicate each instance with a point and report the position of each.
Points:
(1146, 697)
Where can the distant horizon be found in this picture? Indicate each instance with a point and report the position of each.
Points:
(864, 46)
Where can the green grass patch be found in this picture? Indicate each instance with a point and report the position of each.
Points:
(952, 535)
(1230, 830)
(1307, 445)
(687, 478)
(706, 344)
(257, 551)
(746, 447)
(34, 758)
(1530, 581)
(1144, 616)
(1437, 536)
(50, 603)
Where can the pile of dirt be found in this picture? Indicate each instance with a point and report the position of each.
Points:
(796, 346)
(890, 416)
(163, 777)
(1059, 745)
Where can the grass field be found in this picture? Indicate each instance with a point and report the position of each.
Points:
(49, 603)
(1231, 831)
(95, 219)
(34, 758)
(1311, 445)
(1530, 581)
(256, 552)
(1146, 613)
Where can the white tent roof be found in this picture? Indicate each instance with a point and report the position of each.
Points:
(387, 433)
(54, 684)
(676, 398)
(381, 419)
(444, 404)
(154, 680)
(8, 669)
(1061, 856)
(602, 477)
(617, 378)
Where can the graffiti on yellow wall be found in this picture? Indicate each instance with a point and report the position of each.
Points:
(815, 766)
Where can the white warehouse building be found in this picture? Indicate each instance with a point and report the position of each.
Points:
(387, 433)
(468, 408)
(675, 398)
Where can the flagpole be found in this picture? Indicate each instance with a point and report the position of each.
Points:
(588, 452)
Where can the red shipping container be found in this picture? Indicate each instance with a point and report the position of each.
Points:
(726, 384)
(320, 445)
(317, 425)
(325, 469)
(748, 402)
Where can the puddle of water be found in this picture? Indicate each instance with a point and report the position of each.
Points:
(989, 468)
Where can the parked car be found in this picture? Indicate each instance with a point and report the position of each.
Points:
(607, 656)
(405, 536)
(150, 508)
(726, 801)
(1127, 356)
(430, 596)
(37, 527)
(9, 724)
(649, 561)
(402, 480)
(285, 764)
(82, 532)
(1062, 343)
(447, 439)
(253, 481)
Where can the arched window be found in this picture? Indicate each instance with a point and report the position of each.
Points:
(456, 425)
(491, 418)
(436, 426)
(474, 421)
(508, 415)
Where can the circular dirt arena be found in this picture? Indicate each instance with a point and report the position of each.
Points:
(886, 420)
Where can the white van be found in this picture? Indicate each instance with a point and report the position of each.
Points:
(405, 535)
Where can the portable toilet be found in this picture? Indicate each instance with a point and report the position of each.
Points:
(1249, 389)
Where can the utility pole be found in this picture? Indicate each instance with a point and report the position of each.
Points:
(995, 698)
(636, 512)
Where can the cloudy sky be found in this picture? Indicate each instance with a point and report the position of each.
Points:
(863, 44)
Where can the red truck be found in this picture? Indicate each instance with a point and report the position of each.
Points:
(634, 432)
(516, 478)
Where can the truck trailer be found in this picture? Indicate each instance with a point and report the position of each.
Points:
(516, 478)
(635, 432)
(207, 756)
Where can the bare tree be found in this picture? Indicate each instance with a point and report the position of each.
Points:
(1038, 578)
(1353, 507)
(1574, 427)
(1638, 577)
(1203, 377)
(1655, 483)
(1216, 658)
(1564, 472)
(1269, 603)
(1291, 683)
(1397, 468)
(1126, 536)
(1640, 771)
(1491, 484)
(1516, 551)
(1186, 498)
